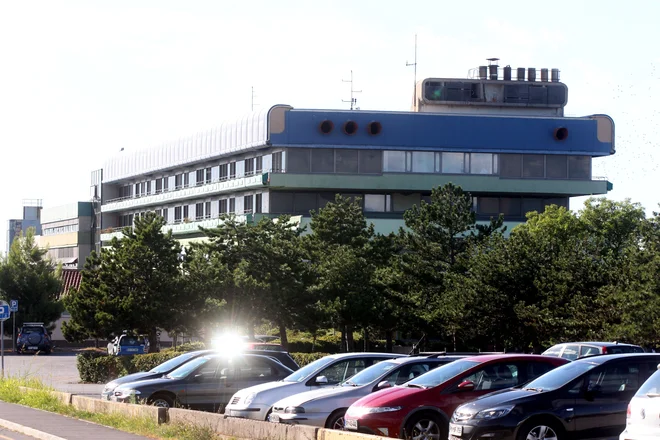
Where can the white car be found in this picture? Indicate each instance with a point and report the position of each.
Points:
(643, 421)
(325, 408)
(256, 402)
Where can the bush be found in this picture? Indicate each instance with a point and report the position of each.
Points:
(303, 359)
(188, 346)
(145, 362)
(98, 368)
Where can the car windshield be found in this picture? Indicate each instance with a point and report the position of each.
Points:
(370, 374)
(650, 388)
(187, 368)
(560, 376)
(172, 363)
(441, 374)
(28, 330)
(308, 369)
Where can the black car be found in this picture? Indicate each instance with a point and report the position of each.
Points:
(576, 350)
(205, 383)
(167, 367)
(585, 399)
(33, 337)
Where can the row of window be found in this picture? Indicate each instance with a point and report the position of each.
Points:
(60, 253)
(342, 161)
(60, 229)
(203, 176)
(512, 207)
(202, 210)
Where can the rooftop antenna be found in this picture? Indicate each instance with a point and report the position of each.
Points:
(353, 100)
(414, 64)
(253, 96)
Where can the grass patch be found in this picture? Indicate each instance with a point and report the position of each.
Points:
(39, 397)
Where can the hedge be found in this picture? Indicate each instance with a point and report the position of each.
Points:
(95, 367)
(303, 359)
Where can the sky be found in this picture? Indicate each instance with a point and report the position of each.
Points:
(79, 80)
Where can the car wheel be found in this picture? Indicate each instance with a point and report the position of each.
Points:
(540, 429)
(426, 426)
(336, 420)
(161, 401)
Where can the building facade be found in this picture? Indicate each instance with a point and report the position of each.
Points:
(505, 141)
(31, 219)
(67, 233)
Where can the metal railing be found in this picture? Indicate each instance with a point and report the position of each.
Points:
(182, 187)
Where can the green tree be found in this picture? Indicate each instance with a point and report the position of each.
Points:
(136, 284)
(27, 275)
(436, 246)
(341, 256)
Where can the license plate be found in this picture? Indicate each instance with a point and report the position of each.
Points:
(351, 424)
(274, 418)
(33, 348)
(456, 430)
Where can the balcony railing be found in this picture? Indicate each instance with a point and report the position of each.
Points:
(184, 226)
(215, 186)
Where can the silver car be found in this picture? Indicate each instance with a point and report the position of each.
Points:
(325, 408)
(256, 402)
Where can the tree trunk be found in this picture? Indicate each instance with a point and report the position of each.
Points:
(365, 339)
(343, 346)
(388, 341)
(250, 330)
(350, 342)
(153, 340)
(96, 342)
(283, 339)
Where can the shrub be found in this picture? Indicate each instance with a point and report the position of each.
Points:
(145, 362)
(99, 368)
(303, 359)
(188, 346)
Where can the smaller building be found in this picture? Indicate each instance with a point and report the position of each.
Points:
(31, 219)
(67, 232)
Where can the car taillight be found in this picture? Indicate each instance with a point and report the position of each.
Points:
(628, 412)
(603, 350)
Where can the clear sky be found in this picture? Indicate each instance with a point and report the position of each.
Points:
(79, 80)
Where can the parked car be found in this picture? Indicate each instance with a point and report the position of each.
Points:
(421, 408)
(167, 367)
(642, 421)
(205, 383)
(585, 399)
(576, 350)
(256, 402)
(325, 408)
(33, 336)
(127, 344)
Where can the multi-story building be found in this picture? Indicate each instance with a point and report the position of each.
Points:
(67, 232)
(31, 219)
(505, 141)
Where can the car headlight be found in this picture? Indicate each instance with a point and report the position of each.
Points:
(249, 398)
(294, 410)
(494, 413)
(359, 411)
(127, 392)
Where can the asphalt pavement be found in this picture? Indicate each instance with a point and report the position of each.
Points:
(57, 370)
(44, 425)
(6, 434)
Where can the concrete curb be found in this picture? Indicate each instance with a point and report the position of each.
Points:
(28, 431)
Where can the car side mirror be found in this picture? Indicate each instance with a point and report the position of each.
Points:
(321, 380)
(198, 377)
(384, 384)
(466, 385)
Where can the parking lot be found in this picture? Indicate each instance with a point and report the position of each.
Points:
(57, 370)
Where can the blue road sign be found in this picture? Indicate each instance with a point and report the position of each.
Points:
(13, 305)
(4, 312)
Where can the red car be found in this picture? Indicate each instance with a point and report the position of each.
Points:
(421, 408)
